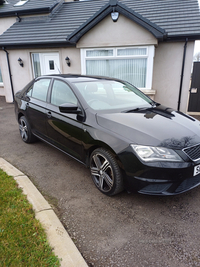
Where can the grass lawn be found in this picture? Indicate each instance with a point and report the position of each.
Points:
(23, 241)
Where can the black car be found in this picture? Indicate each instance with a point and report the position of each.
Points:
(126, 139)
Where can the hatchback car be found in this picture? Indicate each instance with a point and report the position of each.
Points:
(127, 140)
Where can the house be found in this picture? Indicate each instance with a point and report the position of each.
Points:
(10, 12)
(149, 43)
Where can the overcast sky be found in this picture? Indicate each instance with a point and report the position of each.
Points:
(197, 43)
(197, 47)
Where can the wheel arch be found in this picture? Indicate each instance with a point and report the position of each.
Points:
(106, 171)
(104, 146)
(20, 114)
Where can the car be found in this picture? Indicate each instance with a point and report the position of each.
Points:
(127, 140)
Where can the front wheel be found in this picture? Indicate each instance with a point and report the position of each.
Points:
(105, 172)
(25, 130)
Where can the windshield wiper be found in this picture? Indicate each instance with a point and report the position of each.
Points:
(135, 109)
(132, 110)
(153, 105)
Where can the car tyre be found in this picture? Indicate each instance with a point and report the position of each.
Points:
(25, 130)
(105, 172)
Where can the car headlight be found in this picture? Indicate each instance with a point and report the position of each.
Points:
(149, 153)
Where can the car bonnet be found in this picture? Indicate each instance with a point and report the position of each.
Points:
(154, 127)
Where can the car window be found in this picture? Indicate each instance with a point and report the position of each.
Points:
(30, 90)
(39, 89)
(107, 94)
(62, 93)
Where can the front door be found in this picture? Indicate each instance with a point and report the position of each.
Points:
(194, 99)
(50, 63)
(45, 63)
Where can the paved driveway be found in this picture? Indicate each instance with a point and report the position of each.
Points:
(128, 230)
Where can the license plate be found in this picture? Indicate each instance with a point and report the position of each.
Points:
(196, 170)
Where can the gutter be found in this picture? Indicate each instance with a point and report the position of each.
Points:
(35, 11)
(39, 45)
(10, 75)
(182, 74)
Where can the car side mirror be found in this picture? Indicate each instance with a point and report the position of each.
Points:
(69, 108)
(26, 98)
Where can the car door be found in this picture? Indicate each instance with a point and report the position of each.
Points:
(36, 106)
(64, 130)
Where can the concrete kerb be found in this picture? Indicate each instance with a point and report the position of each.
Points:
(57, 236)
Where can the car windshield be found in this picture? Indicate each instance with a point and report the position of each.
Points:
(108, 95)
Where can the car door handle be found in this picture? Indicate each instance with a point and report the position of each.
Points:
(49, 114)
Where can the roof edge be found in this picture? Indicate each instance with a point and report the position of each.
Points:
(183, 37)
(38, 45)
(89, 24)
(114, 5)
(157, 31)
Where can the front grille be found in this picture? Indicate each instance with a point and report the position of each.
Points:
(193, 152)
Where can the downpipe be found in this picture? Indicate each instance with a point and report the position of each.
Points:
(10, 75)
(182, 74)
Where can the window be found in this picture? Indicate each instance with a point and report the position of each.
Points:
(39, 89)
(133, 64)
(61, 93)
(51, 65)
(1, 79)
(36, 65)
(21, 3)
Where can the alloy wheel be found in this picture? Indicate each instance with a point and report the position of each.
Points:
(102, 172)
(23, 129)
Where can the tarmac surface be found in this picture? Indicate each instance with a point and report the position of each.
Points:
(128, 230)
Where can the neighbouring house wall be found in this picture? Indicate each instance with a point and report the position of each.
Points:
(5, 75)
(23, 75)
(20, 76)
(167, 73)
(5, 23)
(2, 90)
(124, 32)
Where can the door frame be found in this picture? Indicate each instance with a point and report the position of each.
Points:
(42, 61)
(194, 89)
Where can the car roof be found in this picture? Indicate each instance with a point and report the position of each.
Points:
(78, 78)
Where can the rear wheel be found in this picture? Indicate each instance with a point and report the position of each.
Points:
(25, 131)
(105, 172)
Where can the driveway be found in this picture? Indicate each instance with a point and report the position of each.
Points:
(128, 230)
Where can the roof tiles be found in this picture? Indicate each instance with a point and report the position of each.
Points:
(176, 17)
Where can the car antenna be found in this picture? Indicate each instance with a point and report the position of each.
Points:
(58, 68)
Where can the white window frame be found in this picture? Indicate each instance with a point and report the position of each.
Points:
(34, 74)
(150, 52)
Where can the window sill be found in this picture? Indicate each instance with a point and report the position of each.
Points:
(151, 93)
(148, 91)
(1, 85)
